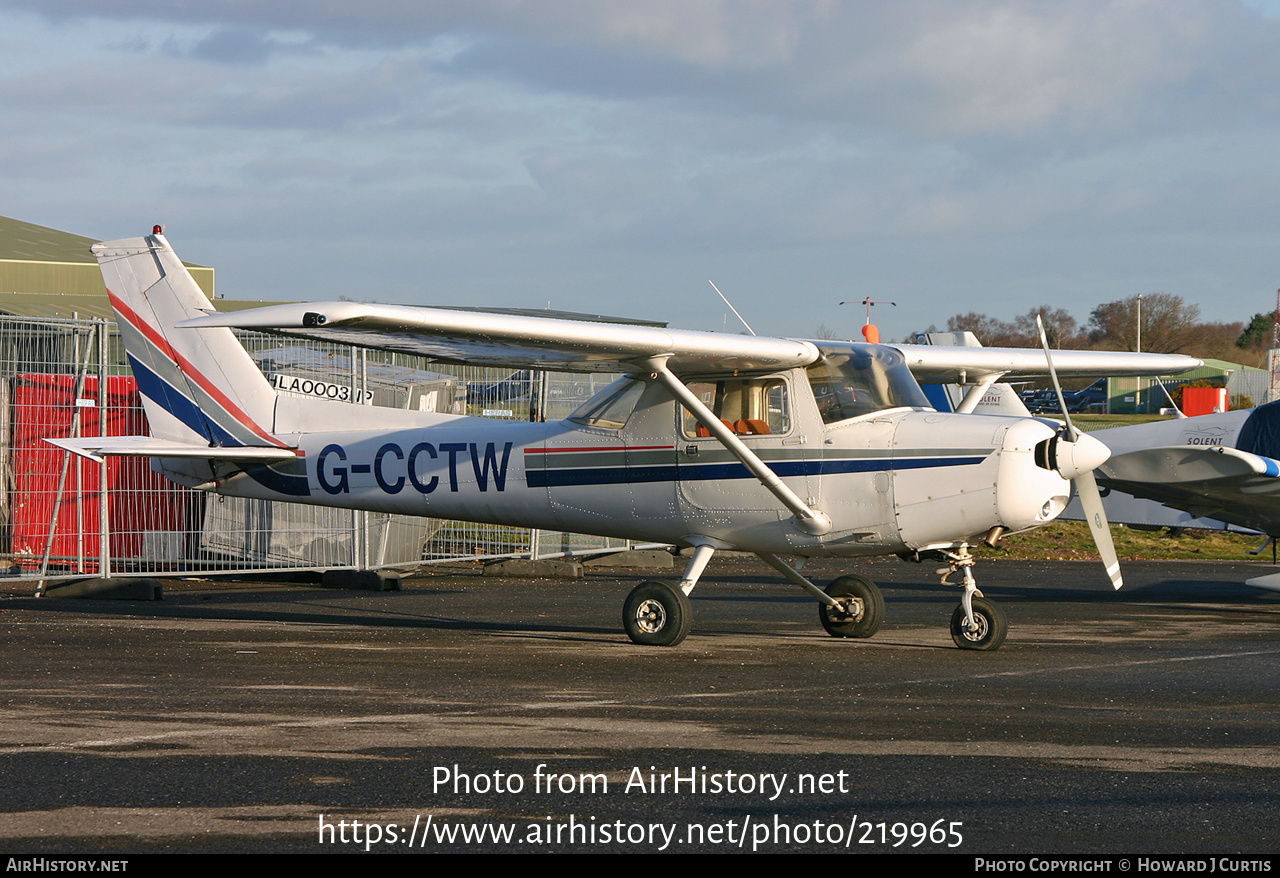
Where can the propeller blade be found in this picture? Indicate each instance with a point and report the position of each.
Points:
(1084, 457)
(1072, 433)
(1091, 502)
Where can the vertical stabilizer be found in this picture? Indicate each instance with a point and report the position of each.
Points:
(997, 399)
(198, 385)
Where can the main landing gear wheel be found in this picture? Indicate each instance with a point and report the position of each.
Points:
(657, 614)
(992, 626)
(865, 607)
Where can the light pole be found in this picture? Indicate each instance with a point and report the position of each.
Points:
(1138, 392)
(1139, 323)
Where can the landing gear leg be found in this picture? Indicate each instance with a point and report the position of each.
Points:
(978, 623)
(658, 613)
(852, 605)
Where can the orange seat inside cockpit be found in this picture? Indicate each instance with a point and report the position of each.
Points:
(741, 427)
(751, 427)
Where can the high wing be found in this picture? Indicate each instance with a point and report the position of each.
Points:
(518, 341)
(937, 363)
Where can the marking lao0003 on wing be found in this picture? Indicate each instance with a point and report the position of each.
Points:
(322, 389)
(394, 468)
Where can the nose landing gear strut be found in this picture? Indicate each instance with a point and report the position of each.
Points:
(978, 623)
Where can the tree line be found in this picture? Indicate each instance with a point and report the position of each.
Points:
(1170, 325)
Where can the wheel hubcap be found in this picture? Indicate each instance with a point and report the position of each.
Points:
(651, 617)
(850, 610)
(979, 633)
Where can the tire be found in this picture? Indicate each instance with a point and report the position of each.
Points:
(864, 621)
(657, 614)
(993, 625)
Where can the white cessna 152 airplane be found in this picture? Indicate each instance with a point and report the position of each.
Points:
(784, 448)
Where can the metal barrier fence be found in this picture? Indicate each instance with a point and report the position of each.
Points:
(63, 516)
(1253, 383)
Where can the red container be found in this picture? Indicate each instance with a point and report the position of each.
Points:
(142, 505)
(1203, 400)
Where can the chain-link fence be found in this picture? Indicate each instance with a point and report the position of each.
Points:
(62, 515)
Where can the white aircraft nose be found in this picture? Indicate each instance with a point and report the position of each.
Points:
(1084, 455)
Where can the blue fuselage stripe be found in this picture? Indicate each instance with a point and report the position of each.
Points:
(558, 478)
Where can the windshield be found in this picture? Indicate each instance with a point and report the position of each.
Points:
(611, 407)
(854, 380)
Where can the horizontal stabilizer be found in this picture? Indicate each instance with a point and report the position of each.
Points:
(95, 448)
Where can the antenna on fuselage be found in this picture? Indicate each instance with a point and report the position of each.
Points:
(731, 308)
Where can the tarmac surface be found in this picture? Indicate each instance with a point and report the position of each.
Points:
(273, 717)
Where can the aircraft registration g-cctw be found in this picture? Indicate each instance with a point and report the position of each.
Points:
(786, 448)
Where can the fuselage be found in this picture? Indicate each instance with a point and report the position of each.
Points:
(894, 480)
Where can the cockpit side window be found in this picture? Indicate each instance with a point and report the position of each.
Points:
(860, 380)
(748, 406)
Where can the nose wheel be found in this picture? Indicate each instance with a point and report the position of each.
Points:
(989, 626)
(978, 623)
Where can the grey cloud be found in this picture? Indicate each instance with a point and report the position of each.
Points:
(235, 45)
(525, 151)
(1084, 71)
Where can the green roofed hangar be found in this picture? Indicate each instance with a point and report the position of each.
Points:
(45, 272)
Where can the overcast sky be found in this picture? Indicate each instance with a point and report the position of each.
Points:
(613, 156)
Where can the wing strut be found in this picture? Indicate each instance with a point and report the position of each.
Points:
(809, 520)
(974, 396)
